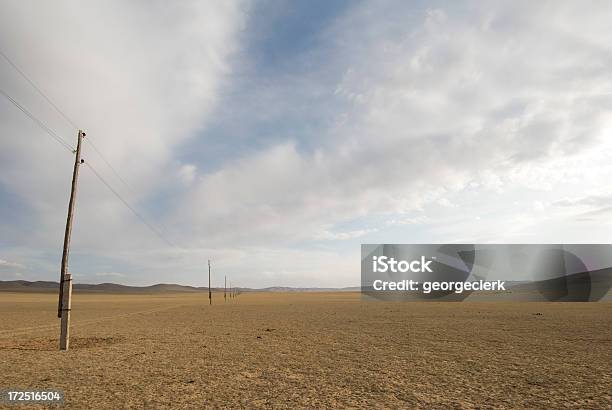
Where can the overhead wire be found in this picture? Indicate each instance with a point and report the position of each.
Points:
(41, 92)
(112, 168)
(62, 142)
(63, 115)
(127, 204)
(69, 147)
(38, 122)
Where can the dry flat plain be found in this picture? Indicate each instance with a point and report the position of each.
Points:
(308, 350)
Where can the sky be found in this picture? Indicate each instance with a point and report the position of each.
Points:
(275, 137)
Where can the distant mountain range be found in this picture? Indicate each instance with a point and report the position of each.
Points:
(47, 286)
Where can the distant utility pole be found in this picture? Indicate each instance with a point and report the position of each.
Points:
(230, 289)
(225, 289)
(209, 290)
(65, 288)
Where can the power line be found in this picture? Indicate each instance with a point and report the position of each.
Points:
(63, 114)
(41, 92)
(40, 123)
(90, 142)
(61, 141)
(142, 218)
(70, 148)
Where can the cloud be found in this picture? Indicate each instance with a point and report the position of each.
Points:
(590, 200)
(187, 173)
(409, 221)
(451, 100)
(110, 274)
(445, 202)
(8, 264)
(11, 270)
(334, 236)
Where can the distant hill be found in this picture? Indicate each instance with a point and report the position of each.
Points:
(46, 286)
(25, 286)
(576, 287)
(290, 289)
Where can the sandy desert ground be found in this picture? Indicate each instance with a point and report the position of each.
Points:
(309, 350)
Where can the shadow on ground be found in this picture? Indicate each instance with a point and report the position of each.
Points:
(46, 344)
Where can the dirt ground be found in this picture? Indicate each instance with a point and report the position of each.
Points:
(309, 350)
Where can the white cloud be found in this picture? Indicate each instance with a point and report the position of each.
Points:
(8, 264)
(11, 270)
(334, 236)
(417, 220)
(110, 274)
(187, 173)
(449, 101)
(445, 202)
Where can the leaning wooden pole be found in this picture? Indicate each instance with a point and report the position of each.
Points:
(68, 231)
(63, 306)
(225, 289)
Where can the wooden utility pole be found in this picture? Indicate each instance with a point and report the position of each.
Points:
(209, 290)
(225, 289)
(63, 307)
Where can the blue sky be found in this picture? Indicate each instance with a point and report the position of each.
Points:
(275, 137)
